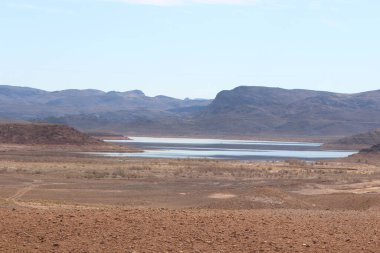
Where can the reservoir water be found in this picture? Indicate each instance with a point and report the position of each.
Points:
(225, 149)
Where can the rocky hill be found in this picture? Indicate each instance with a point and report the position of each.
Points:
(44, 134)
(362, 140)
(369, 155)
(373, 149)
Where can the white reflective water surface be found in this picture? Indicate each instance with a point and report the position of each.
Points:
(211, 141)
(224, 149)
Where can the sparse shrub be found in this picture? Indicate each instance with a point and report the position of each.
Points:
(96, 174)
(133, 175)
(140, 168)
(118, 172)
(19, 170)
(295, 162)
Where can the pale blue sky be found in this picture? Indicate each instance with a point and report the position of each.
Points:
(190, 48)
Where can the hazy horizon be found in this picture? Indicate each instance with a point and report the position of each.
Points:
(190, 48)
(163, 94)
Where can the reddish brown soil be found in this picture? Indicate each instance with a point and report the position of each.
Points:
(163, 230)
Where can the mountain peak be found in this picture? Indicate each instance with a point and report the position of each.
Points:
(135, 93)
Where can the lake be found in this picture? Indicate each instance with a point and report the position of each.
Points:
(225, 149)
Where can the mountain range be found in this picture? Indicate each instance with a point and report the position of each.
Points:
(243, 111)
(29, 103)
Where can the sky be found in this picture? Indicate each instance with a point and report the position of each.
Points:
(190, 48)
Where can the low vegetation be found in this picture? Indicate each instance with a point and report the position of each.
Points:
(111, 168)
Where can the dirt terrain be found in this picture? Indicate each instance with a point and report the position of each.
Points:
(63, 201)
(164, 230)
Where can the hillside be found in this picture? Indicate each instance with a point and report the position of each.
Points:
(363, 140)
(369, 155)
(43, 134)
(372, 150)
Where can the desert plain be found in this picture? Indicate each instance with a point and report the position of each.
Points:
(55, 199)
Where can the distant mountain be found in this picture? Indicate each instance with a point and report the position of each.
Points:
(243, 111)
(248, 110)
(28, 103)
